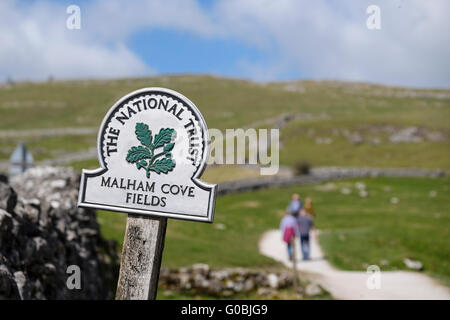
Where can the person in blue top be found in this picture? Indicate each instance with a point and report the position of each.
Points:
(305, 224)
(295, 205)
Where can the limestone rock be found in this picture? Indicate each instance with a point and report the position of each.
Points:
(410, 134)
(8, 197)
(312, 290)
(273, 280)
(413, 264)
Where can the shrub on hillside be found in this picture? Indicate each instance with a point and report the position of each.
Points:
(302, 167)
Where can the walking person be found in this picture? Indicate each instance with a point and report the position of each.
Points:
(295, 205)
(306, 225)
(289, 229)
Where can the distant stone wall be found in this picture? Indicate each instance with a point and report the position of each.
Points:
(226, 282)
(42, 233)
(322, 175)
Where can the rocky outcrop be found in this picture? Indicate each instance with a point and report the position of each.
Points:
(42, 233)
(415, 134)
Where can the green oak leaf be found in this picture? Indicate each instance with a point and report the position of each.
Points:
(164, 136)
(141, 164)
(138, 153)
(168, 147)
(144, 134)
(163, 165)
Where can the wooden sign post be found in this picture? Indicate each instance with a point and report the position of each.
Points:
(152, 149)
(141, 258)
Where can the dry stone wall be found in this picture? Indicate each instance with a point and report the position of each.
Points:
(42, 233)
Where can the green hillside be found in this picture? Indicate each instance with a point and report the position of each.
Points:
(351, 123)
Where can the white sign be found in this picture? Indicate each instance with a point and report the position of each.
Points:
(152, 149)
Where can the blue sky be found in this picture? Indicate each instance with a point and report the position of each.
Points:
(182, 52)
(261, 40)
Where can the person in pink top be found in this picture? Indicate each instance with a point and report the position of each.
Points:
(289, 229)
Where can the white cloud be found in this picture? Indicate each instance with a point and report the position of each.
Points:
(326, 39)
(321, 39)
(35, 44)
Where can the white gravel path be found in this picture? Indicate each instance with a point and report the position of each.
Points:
(353, 284)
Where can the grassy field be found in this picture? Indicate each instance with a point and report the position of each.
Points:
(355, 231)
(48, 147)
(329, 111)
(358, 232)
